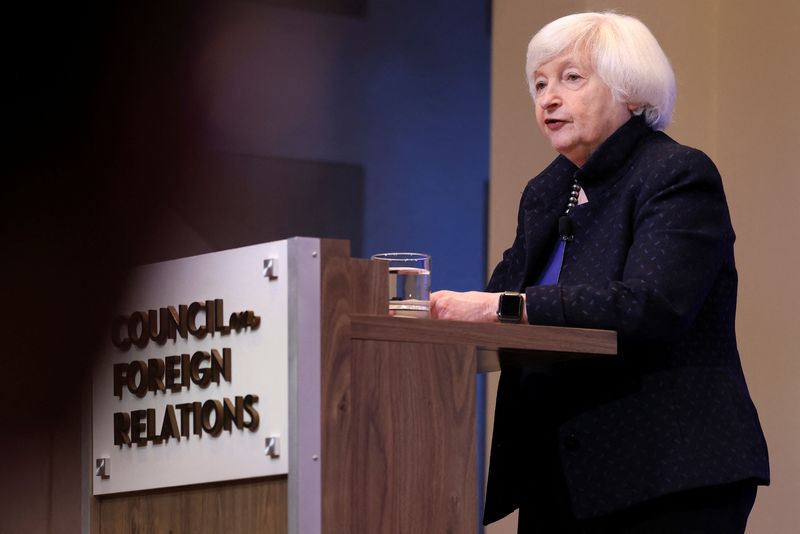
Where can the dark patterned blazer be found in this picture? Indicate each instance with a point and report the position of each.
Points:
(652, 258)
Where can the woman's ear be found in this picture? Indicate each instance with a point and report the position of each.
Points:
(634, 108)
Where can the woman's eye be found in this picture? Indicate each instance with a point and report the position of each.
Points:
(572, 77)
(539, 86)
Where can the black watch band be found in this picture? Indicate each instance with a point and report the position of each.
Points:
(509, 307)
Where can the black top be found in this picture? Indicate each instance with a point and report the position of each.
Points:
(652, 258)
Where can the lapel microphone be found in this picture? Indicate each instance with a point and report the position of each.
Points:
(565, 230)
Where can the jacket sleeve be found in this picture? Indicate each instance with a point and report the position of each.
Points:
(681, 240)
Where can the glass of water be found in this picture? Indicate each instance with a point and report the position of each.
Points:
(409, 283)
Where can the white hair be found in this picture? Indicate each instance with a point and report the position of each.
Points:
(624, 54)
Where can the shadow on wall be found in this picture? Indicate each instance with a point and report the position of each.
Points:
(352, 8)
(106, 154)
(234, 200)
(110, 165)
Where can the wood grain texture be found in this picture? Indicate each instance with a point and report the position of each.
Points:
(250, 506)
(414, 441)
(486, 336)
(399, 447)
(369, 287)
(336, 410)
(398, 421)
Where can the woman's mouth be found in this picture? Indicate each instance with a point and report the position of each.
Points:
(554, 124)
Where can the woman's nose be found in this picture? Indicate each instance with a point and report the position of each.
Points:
(548, 98)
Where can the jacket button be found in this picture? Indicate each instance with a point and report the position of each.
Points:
(571, 443)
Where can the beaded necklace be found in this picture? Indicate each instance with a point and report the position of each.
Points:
(565, 226)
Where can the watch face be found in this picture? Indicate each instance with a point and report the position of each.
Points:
(510, 306)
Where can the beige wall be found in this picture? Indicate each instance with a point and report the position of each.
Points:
(738, 74)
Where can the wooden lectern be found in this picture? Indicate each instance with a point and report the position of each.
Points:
(398, 422)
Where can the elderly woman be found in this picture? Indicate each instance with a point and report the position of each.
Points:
(625, 230)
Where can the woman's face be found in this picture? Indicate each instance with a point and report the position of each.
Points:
(574, 107)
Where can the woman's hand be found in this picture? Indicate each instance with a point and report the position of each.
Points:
(475, 306)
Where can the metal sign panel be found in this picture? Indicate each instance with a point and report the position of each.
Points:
(191, 381)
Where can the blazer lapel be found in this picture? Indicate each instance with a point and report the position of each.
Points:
(543, 206)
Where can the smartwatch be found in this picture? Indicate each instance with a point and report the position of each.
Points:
(509, 308)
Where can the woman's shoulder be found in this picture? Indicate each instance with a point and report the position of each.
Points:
(661, 149)
(665, 169)
(665, 161)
